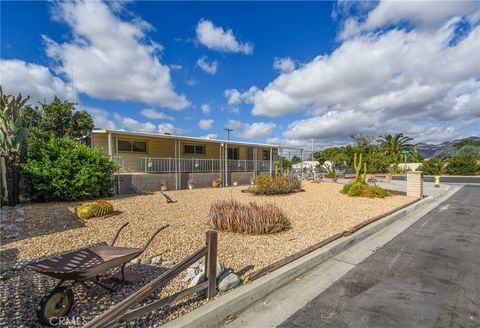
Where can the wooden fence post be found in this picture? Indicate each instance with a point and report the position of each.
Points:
(211, 263)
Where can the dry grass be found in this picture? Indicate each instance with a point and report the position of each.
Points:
(230, 215)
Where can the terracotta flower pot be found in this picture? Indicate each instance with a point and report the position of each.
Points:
(216, 183)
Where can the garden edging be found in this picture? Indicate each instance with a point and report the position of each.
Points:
(213, 313)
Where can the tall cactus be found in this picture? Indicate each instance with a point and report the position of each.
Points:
(358, 167)
(13, 135)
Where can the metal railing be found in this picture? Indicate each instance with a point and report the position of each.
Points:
(170, 165)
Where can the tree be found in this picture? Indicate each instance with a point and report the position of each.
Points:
(394, 144)
(295, 159)
(13, 134)
(58, 119)
(363, 142)
(334, 155)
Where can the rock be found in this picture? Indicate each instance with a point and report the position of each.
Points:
(220, 268)
(195, 265)
(10, 226)
(228, 282)
(190, 273)
(198, 279)
(14, 235)
(19, 211)
(135, 261)
(145, 261)
(167, 264)
(19, 219)
(157, 260)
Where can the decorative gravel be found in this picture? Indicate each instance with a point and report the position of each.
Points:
(318, 213)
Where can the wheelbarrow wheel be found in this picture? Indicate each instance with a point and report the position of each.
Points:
(55, 305)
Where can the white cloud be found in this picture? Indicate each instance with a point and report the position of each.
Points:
(205, 109)
(170, 128)
(210, 68)
(210, 136)
(112, 58)
(191, 82)
(17, 76)
(216, 38)
(101, 117)
(253, 130)
(235, 97)
(176, 67)
(131, 124)
(284, 65)
(155, 115)
(424, 15)
(205, 124)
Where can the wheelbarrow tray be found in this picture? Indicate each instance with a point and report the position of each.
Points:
(86, 263)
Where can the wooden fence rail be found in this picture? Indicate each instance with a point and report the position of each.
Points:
(119, 313)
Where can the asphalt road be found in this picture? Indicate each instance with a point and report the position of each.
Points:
(428, 276)
(445, 179)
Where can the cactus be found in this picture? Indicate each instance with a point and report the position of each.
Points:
(358, 167)
(95, 209)
(84, 211)
(101, 208)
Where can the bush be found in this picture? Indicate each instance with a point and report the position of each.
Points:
(362, 189)
(433, 166)
(267, 185)
(233, 216)
(330, 175)
(463, 165)
(62, 170)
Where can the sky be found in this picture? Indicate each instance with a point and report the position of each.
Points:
(287, 73)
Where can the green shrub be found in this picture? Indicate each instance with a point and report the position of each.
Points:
(330, 175)
(463, 165)
(230, 215)
(362, 189)
(275, 185)
(62, 170)
(433, 166)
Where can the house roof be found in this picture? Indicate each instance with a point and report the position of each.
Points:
(170, 136)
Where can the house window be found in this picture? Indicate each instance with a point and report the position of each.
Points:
(194, 150)
(132, 146)
(266, 155)
(233, 153)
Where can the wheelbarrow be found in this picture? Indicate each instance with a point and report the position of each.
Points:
(78, 267)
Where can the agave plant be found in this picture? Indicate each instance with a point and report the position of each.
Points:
(13, 135)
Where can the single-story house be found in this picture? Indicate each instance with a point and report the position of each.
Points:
(149, 160)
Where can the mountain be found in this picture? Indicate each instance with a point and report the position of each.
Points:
(427, 150)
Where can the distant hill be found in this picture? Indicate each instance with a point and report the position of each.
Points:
(427, 150)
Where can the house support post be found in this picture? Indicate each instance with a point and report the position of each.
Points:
(301, 165)
(226, 166)
(271, 161)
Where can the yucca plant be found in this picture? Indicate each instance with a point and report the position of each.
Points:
(230, 215)
(13, 135)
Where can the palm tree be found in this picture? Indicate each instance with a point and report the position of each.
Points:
(394, 144)
(13, 134)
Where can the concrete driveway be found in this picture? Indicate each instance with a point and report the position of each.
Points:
(428, 276)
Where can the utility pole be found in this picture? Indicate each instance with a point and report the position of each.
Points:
(228, 132)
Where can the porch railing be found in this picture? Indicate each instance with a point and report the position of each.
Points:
(170, 165)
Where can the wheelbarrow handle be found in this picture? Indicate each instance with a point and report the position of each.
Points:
(118, 232)
(154, 235)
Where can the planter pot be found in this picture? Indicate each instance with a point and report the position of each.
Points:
(216, 184)
(235, 183)
(190, 186)
(164, 188)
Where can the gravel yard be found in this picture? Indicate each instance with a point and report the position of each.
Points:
(319, 212)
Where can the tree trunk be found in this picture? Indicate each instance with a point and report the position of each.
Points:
(13, 183)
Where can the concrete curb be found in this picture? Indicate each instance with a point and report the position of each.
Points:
(213, 313)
